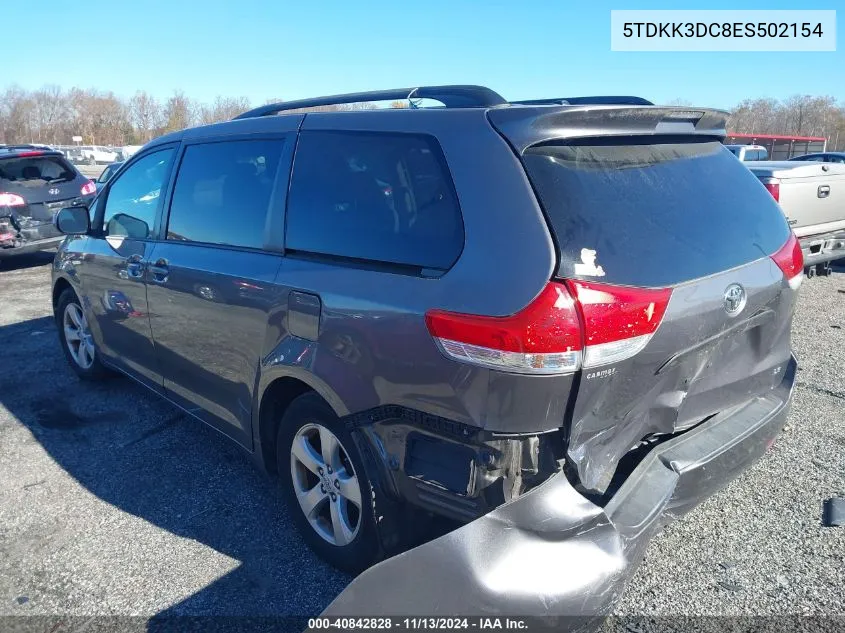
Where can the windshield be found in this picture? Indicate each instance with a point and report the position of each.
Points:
(108, 172)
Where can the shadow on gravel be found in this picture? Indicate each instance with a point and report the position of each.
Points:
(140, 454)
(29, 260)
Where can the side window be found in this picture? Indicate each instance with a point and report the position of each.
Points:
(372, 196)
(222, 192)
(133, 198)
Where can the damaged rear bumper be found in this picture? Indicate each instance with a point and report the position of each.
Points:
(20, 234)
(22, 247)
(553, 553)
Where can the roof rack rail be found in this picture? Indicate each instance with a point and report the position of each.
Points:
(20, 146)
(449, 96)
(601, 100)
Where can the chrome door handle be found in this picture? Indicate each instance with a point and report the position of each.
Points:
(134, 267)
(160, 271)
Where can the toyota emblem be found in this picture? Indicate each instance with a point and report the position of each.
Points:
(734, 299)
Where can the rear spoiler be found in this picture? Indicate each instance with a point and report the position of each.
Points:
(526, 126)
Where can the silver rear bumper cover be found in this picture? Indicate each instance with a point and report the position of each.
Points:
(553, 553)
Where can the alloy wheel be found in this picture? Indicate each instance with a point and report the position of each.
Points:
(325, 483)
(78, 336)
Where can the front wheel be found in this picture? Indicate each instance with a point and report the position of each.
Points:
(76, 338)
(327, 491)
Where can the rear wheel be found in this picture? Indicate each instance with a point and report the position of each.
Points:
(76, 338)
(325, 486)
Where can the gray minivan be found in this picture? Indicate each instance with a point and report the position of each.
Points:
(557, 324)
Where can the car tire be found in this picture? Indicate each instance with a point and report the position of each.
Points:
(75, 338)
(341, 533)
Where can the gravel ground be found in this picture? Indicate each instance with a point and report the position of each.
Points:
(112, 502)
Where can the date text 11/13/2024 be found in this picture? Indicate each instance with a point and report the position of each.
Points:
(418, 623)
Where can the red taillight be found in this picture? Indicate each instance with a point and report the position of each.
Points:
(790, 260)
(618, 321)
(554, 333)
(88, 188)
(34, 153)
(11, 200)
(543, 338)
(772, 185)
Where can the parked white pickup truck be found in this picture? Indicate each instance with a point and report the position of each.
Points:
(97, 155)
(812, 195)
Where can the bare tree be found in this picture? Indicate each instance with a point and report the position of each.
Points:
(179, 112)
(15, 115)
(146, 115)
(53, 115)
(800, 115)
(223, 109)
(49, 113)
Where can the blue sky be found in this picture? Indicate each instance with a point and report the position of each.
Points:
(278, 48)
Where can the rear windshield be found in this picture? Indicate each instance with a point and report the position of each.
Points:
(34, 171)
(653, 214)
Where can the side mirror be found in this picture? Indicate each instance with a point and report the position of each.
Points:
(73, 220)
(123, 225)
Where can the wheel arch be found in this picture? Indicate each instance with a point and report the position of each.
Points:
(278, 392)
(59, 286)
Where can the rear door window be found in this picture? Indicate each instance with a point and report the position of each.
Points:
(222, 192)
(376, 197)
(644, 213)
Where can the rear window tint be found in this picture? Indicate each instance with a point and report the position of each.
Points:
(36, 170)
(653, 214)
(384, 198)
